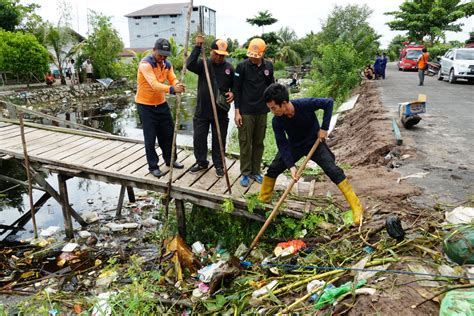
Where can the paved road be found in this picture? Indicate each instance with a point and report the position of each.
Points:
(444, 138)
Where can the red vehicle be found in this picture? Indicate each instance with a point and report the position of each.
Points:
(409, 56)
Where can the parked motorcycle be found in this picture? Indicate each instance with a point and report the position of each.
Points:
(433, 69)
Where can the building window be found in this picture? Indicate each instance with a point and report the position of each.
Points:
(173, 22)
(137, 23)
(137, 17)
(192, 21)
(156, 35)
(139, 36)
(173, 15)
(195, 9)
(205, 10)
(155, 16)
(174, 34)
(154, 23)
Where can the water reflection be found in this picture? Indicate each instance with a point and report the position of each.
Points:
(117, 119)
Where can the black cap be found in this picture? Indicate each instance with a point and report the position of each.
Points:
(163, 47)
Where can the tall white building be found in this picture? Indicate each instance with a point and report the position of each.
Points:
(145, 26)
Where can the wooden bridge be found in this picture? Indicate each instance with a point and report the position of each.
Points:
(119, 160)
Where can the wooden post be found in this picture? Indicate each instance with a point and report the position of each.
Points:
(178, 106)
(181, 218)
(48, 188)
(131, 194)
(118, 213)
(64, 204)
(19, 223)
(27, 166)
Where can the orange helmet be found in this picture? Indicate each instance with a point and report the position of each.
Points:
(219, 47)
(256, 48)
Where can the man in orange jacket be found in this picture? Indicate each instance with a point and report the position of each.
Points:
(157, 123)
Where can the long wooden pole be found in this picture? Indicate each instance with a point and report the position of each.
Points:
(216, 118)
(178, 108)
(27, 165)
(282, 198)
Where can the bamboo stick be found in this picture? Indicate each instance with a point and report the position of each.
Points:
(282, 198)
(216, 118)
(178, 108)
(27, 165)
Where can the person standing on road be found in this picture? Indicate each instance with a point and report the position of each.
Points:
(378, 66)
(422, 64)
(252, 77)
(153, 71)
(296, 129)
(222, 78)
(383, 64)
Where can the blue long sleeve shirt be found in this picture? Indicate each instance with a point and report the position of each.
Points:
(301, 130)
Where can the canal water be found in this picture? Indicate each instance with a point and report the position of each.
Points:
(84, 195)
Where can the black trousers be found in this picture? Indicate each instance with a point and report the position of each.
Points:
(201, 130)
(157, 123)
(322, 156)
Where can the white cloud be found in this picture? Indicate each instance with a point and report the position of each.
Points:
(302, 16)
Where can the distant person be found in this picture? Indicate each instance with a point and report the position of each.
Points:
(153, 73)
(383, 64)
(87, 66)
(296, 128)
(222, 79)
(252, 77)
(49, 79)
(422, 64)
(369, 72)
(294, 80)
(72, 71)
(378, 66)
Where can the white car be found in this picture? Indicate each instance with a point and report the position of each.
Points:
(457, 63)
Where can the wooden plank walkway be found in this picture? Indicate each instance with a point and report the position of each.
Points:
(121, 160)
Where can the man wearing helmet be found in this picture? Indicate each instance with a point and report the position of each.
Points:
(252, 77)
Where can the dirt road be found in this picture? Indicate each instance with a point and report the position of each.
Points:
(444, 139)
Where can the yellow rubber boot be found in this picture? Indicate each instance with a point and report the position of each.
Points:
(352, 199)
(266, 189)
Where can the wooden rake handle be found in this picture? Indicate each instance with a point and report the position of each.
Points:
(282, 198)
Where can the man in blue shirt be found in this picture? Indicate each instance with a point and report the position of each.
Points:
(296, 129)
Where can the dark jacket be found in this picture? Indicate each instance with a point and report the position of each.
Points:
(249, 84)
(301, 130)
(224, 78)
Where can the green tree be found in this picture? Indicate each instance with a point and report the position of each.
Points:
(58, 38)
(286, 53)
(14, 16)
(393, 50)
(103, 46)
(336, 72)
(307, 46)
(430, 18)
(13, 49)
(349, 25)
(261, 19)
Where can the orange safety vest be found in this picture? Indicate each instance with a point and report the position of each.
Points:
(423, 61)
(151, 78)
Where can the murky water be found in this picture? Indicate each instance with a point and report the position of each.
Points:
(84, 195)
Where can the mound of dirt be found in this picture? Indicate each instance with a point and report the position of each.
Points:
(363, 136)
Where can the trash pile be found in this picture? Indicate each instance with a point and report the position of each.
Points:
(398, 261)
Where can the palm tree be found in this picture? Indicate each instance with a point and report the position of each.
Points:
(261, 19)
(286, 35)
(289, 56)
(57, 38)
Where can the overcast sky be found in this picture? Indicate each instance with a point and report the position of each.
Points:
(301, 16)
